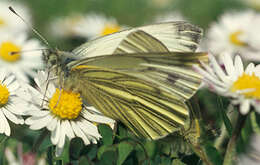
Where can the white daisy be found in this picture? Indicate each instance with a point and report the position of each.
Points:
(12, 104)
(65, 26)
(63, 114)
(24, 60)
(9, 22)
(96, 25)
(243, 86)
(236, 32)
(89, 26)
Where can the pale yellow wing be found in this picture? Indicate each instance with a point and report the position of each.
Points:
(172, 71)
(142, 106)
(176, 36)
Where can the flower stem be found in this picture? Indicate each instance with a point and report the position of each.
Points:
(201, 154)
(232, 115)
(231, 148)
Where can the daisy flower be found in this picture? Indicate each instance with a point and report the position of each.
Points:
(89, 26)
(9, 22)
(65, 26)
(96, 25)
(12, 104)
(63, 114)
(236, 33)
(242, 85)
(22, 61)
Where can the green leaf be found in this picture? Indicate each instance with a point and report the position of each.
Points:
(124, 149)
(122, 131)
(213, 154)
(76, 145)
(165, 161)
(90, 151)
(255, 122)
(226, 120)
(45, 145)
(108, 158)
(101, 150)
(177, 162)
(151, 148)
(107, 134)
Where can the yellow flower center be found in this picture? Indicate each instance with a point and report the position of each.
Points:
(65, 104)
(250, 83)
(6, 50)
(4, 95)
(110, 28)
(2, 22)
(234, 38)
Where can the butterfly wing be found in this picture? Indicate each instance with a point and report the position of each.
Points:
(176, 36)
(141, 105)
(172, 71)
(133, 77)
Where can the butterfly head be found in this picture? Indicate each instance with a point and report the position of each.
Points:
(55, 58)
(51, 58)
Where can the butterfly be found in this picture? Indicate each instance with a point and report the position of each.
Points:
(142, 76)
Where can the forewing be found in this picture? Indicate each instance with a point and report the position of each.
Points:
(176, 36)
(142, 106)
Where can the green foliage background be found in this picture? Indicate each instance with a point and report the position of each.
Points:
(121, 146)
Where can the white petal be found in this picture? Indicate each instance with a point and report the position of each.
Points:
(250, 69)
(219, 71)
(58, 151)
(13, 87)
(257, 70)
(38, 113)
(3, 73)
(52, 125)
(41, 123)
(239, 65)
(88, 128)
(68, 130)
(79, 133)
(62, 135)
(96, 118)
(209, 69)
(20, 119)
(229, 66)
(5, 123)
(55, 135)
(10, 116)
(244, 106)
(15, 109)
(31, 120)
(2, 123)
(9, 80)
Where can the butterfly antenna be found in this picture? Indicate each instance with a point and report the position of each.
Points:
(25, 51)
(33, 29)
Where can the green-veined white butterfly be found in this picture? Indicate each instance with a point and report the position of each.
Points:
(141, 76)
